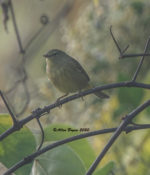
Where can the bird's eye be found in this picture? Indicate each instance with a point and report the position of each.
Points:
(55, 53)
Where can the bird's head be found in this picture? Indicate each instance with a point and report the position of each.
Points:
(53, 53)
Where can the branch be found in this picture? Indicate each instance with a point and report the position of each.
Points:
(42, 134)
(134, 55)
(121, 52)
(141, 61)
(122, 55)
(5, 7)
(15, 27)
(116, 134)
(15, 122)
(31, 157)
(42, 111)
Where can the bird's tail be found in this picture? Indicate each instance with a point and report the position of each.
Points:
(99, 94)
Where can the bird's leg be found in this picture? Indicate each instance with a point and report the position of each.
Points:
(62, 96)
(82, 96)
(58, 99)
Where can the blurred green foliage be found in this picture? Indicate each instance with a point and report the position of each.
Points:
(16, 146)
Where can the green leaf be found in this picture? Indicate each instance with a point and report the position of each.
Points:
(56, 132)
(16, 146)
(106, 169)
(130, 96)
(61, 160)
(81, 147)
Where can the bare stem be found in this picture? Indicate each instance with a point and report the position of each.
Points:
(116, 134)
(42, 134)
(121, 52)
(8, 108)
(141, 61)
(16, 27)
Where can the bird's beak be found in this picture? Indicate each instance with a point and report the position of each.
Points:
(45, 55)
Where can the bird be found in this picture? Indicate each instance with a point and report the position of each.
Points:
(67, 74)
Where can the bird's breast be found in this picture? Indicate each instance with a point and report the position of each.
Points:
(66, 78)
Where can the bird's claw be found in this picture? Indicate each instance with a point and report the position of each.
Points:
(58, 103)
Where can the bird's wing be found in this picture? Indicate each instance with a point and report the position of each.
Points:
(79, 68)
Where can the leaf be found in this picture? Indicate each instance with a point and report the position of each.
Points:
(130, 96)
(61, 160)
(81, 147)
(56, 132)
(16, 146)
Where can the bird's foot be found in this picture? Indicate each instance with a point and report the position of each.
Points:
(82, 98)
(58, 101)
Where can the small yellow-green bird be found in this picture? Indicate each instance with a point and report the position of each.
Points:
(67, 74)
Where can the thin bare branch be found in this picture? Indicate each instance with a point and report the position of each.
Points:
(16, 27)
(13, 87)
(116, 134)
(44, 21)
(141, 61)
(42, 134)
(5, 8)
(15, 122)
(122, 55)
(115, 41)
(134, 55)
(126, 48)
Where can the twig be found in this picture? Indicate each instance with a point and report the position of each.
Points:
(15, 122)
(141, 61)
(122, 55)
(42, 134)
(116, 43)
(116, 134)
(47, 109)
(16, 28)
(67, 140)
(5, 7)
(134, 55)
(44, 21)
(13, 87)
